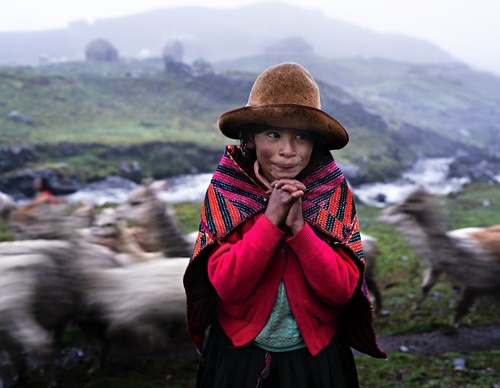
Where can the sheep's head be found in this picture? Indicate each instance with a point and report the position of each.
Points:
(418, 207)
(106, 225)
(7, 206)
(141, 205)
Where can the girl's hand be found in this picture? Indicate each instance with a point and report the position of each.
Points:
(294, 220)
(285, 194)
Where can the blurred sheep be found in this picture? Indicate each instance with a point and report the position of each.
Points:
(114, 295)
(36, 302)
(469, 257)
(160, 230)
(370, 251)
(141, 301)
(111, 232)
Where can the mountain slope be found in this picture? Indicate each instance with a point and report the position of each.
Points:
(77, 112)
(451, 100)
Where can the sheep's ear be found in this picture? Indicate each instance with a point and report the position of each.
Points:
(159, 185)
(147, 181)
(108, 210)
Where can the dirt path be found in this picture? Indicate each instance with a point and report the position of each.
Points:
(467, 339)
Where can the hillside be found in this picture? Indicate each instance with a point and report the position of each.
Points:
(451, 100)
(98, 119)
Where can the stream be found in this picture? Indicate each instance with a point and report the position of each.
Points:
(430, 174)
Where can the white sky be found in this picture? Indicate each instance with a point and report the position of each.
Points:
(466, 29)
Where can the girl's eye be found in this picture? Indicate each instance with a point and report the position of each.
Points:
(273, 135)
(303, 136)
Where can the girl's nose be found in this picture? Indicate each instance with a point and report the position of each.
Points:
(287, 147)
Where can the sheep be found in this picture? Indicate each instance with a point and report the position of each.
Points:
(36, 302)
(139, 301)
(160, 229)
(51, 298)
(370, 251)
(42, 221)
(109, 231)
(48, 293)
(114, 296)
(83, 214)
(469, 257)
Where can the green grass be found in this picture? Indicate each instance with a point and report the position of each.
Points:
(88, 108)
(405, 371)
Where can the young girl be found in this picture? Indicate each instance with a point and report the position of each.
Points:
(276, 278)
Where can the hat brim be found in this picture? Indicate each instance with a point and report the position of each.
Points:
(285, 115)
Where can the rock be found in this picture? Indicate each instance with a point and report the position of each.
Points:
(459, 364)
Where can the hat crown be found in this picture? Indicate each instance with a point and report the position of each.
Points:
(286, 83)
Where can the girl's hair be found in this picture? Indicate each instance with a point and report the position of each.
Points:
(320, 150)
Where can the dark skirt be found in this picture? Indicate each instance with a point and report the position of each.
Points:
(249, 366)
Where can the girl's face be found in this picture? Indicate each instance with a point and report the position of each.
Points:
(282, 152)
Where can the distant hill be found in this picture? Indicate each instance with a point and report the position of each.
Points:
(216, 35)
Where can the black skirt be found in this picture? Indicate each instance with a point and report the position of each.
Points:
(249, 366)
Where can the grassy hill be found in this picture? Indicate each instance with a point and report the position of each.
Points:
(80, 113)
(88, 107)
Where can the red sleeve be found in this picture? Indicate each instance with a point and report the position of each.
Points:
(237, 264)
(324, 267)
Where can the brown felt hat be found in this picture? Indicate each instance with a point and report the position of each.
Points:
(285, 95)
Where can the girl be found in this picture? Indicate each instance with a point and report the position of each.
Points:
(276, 277)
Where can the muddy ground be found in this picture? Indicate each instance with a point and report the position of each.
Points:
(465, 340)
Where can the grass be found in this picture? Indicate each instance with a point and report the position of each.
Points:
(85, 108)
(405, 371)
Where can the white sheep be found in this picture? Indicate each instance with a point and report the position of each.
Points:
(142, 300)
(36, 302)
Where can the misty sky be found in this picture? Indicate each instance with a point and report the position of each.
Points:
(469, 30)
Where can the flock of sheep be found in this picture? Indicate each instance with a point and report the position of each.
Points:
(74, 266)
(66, 269)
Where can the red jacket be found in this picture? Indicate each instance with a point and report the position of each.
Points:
(248, 266)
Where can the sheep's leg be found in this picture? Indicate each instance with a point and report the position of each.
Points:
(465, 303)
(35, 339)
(103, 351)
(431, 276)
(18, 363)
(373, 287)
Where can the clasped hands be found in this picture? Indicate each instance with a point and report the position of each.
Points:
(285, 204)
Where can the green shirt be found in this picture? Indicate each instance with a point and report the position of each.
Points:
(281, 332)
